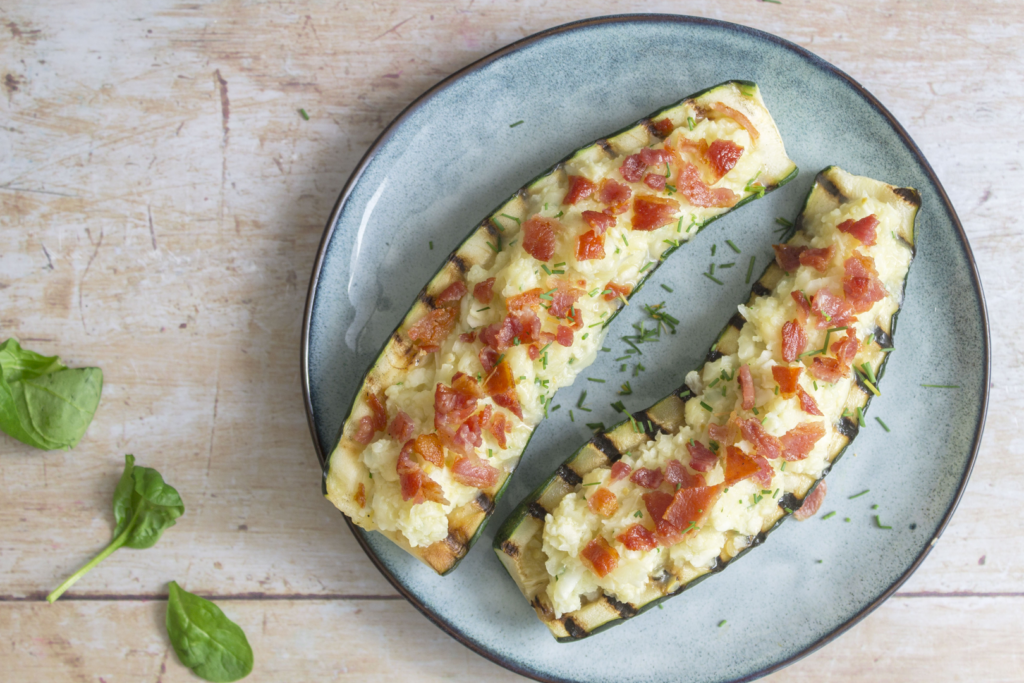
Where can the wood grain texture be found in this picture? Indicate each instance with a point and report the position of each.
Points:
(161, 200)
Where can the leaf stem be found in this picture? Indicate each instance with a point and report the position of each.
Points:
(114, 545)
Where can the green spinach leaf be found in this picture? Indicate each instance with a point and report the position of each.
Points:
(42, 402)
(144, 506)
(206, 641)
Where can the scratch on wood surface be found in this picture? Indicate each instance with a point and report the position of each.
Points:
(309, 23)
(225, 103)
(81, 281)
(49, 261)
(394, 29)
(213, 423)
(152, 233)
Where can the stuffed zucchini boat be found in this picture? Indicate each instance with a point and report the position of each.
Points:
(520, 308)
(672, 495)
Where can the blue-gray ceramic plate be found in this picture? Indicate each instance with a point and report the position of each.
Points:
(453, 155)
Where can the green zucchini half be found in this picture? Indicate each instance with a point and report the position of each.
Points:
(518, 542)
(348, 482)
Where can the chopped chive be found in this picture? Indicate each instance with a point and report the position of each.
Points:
(619, 407)
(783, 468)
(750, 269)
(304, 115)
(646, 266)
(887, 349)
(594, 292)
(638, 513)
(485, 308)
(513, 125)
(713, 278)
(572, 418)
(815, 384)
(705, 406)
(940, 386)
(713, 247)
(879, 523)
(494, 248)
(545, 268)
(431, 243)
(711, 270)
(583, 397)
(679, 225)
(869, 372)
(733, 246)
(594, 379)
(846, 519)
(860, 417)
(625, 390)
(858, 495)
(667, 288)
(689, 122)
(512, 218)
(788, 511)
(559, 214)
(624, 239)
(884, 426)
(593, 483)
(875, 506)
(596, 426)
(829, 515)
(730, 264)
(783, 222)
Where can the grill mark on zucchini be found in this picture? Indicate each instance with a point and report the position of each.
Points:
(759, 289)
(602, 443)
(909, 195)
(510, 548)
(492, 229)
(789, 500)
(828, 186)
(460, 264)
(713, 355)
(484, 503)
(568, 476)
(737, 321)
(644, 419)
(848, 428)
(624, 609)
(573, 628)
(883, 338)
(606, 146)
(649, 127)
(537, 511)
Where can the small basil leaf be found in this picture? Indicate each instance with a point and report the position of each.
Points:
(144, 506)
(42, 402)
(205, 640)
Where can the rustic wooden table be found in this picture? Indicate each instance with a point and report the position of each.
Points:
(162, 204)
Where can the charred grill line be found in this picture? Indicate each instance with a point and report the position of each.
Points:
(848, 428)
(759, 289)
(569, 477)
(574, 629)
(510, 549)
(909, 195)
(537, 511)
(737, 321)
(459, 263)
(828, 186)
(602, 443)
(624, 609)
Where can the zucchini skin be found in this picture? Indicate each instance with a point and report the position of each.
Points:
(514, 535)
(399, 355)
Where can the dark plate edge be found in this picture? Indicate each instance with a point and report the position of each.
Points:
(657, 18)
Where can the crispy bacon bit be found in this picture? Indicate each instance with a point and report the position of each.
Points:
(590, 245)
(699, 193)
(620, 470)
(433, 328)
(564, 336)
(467, 337)
(498, 427)
(402, 427)
(615, 290)
(798, 442)
(828, 369)
(533, 352)
(816, 258)
(765, 473)
(702, 458)
(601, 557)
(454, 404)
(488, 358)
(738, 465)
(747, 385)
(364, 430)
(539, 237)
(632, 168)
(724, 434)
(664, 127)
(832, 310)
(677, 475)
(863, 230)
(861, 284)
(723, 155)
(788, 256)
(845, 350)
(598, 221)
(482, 291)
(647, 478)
(562, 299)
(614, 193)
(430, 449)
(803, 305)
(786, 378)
(807, 402)
(720, 108)
(794, 341)
(637, 537)
(524, 301)
(522, 325)
(653, 157)
(603, 502)
(691, 506)
(473, 471)
(469, 434)
(812, 503)
(765, 445)
(501, 386)
(655, 181)
(657, 503)
(651, 212)
(415, 484)
(361, 495)
(579, 188)
(451, 296)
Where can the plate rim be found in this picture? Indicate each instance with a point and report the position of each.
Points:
(640, 18)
